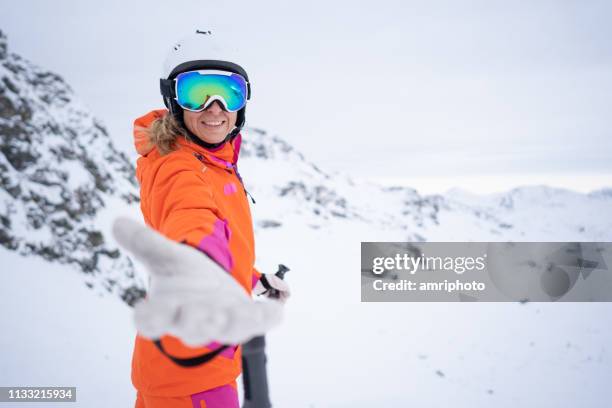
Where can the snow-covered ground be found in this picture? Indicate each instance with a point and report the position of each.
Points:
(332, 350)
(57, 332)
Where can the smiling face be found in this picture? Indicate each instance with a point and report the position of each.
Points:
(212, 124)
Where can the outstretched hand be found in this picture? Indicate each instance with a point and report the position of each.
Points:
(190, 296)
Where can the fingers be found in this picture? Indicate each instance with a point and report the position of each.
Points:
(153, 318)
(146, 244)
(278, 283)
(281, 288)
(200, 321)
(253, 320)
(192, 297)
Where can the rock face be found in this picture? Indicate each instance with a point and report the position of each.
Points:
(58, 171)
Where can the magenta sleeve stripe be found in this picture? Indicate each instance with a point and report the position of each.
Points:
(216, 245)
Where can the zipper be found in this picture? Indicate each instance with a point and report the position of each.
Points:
(235, 167)
(228, 166)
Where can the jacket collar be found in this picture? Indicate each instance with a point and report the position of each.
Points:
(225, 156)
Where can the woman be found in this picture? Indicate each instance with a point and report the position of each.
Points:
(192, 193)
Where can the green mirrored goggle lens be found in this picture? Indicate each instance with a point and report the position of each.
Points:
(194, 89)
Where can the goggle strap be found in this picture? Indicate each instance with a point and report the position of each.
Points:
(209, 64)
(166, 86)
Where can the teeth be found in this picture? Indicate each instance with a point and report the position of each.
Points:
(213, 123)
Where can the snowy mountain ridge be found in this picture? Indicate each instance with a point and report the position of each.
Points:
(63, 180)
(295, 191)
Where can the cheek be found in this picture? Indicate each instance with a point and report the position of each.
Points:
(188, 119)
(189, 124)
(195, 122)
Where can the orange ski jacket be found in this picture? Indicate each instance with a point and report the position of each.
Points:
(195, 196)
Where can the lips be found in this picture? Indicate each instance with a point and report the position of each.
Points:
(213, 123)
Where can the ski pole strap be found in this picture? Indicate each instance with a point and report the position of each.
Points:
(192, 361)
(271, 291)
(265, 283)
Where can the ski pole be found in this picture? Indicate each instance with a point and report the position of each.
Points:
(254, 373)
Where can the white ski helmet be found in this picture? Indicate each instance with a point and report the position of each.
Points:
(200, 50)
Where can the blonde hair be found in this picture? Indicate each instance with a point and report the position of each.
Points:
(163, 132)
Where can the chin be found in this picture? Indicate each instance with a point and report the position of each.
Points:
(213, 138)
(211, 141)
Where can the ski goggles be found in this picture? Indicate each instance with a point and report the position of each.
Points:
(197, 90)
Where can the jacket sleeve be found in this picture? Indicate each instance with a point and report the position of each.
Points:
(183, 209)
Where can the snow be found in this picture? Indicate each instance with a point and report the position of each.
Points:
(56, 332)
(332, 350)
(59, 168)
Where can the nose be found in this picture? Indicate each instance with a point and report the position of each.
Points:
(216, 107)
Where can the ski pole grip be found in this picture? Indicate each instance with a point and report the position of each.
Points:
(282, 270)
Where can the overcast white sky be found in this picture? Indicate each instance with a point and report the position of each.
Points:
(434, 93)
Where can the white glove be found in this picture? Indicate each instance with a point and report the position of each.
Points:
(270, 281)
(190, 296)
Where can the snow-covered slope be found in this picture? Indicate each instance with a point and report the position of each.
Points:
(63, 182)
(59, 171)
(542, 213)
(57, 332)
